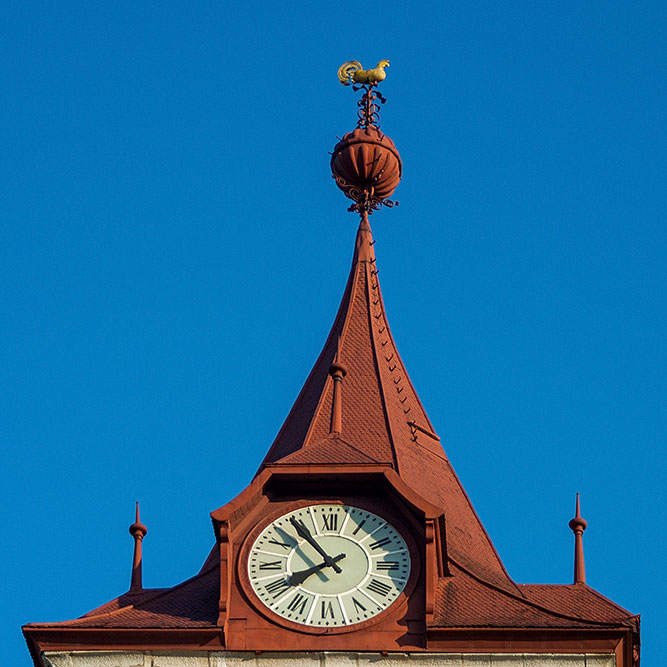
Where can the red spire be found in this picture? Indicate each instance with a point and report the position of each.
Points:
(578, 526)
(375, 416)
(138, 531)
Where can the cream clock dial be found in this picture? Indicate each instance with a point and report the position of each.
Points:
(328, 565)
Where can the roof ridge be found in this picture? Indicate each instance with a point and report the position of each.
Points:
(315, 447)
(383, 395)
(349, 444)
(529, 602)
(390, 338)
(611, 602)
(590, 589)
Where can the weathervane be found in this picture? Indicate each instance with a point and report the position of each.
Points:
(351, 73)
(365, 162)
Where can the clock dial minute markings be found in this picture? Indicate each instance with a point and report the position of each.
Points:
(345, 520)
(375, 530)
(311, 512)
(389, 553)
(271, 553)
(290, 565)
(346, 619)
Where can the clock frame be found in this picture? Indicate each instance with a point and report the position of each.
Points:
(398, 602)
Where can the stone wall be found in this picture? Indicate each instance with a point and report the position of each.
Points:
(321, 659)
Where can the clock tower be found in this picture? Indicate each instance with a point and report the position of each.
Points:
(355, 542)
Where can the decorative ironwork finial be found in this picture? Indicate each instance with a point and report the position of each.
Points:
(352, 73)
(365, 162)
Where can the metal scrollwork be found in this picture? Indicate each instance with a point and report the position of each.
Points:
(364, 198)
(369, 106)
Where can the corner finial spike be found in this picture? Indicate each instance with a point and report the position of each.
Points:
(138, 532)
(578, 526)
(337, 371)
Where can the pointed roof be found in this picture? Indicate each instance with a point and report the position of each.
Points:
(382, 423)
(383, 420)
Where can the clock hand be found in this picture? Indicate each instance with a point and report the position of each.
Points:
(300, 577)
(302, 531)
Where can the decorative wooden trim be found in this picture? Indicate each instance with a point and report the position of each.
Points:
(441, 640)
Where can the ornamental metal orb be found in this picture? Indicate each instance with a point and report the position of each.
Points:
(366, 166)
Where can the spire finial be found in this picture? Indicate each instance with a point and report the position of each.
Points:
(578, 526)
(138, 532)
(365, 162)
(337, 371)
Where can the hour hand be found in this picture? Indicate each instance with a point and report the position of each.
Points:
(302, 531)
(299, 577)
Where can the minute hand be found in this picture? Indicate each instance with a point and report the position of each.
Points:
(302, 531)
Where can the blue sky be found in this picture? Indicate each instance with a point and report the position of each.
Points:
(174, 250)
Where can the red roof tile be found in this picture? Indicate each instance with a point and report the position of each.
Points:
(465, 601)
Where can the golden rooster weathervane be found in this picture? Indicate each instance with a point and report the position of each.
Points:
(353, 72)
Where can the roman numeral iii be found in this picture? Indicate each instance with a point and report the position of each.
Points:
(387, 565)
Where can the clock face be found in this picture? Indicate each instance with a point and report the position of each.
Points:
(328, 565)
